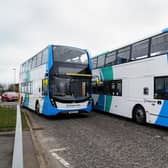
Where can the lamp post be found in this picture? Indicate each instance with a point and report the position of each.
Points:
(14, 78)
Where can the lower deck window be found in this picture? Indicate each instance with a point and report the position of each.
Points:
(116, 88)
(161, 87)
(113, 88)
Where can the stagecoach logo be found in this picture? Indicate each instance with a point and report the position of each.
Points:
(149, 101)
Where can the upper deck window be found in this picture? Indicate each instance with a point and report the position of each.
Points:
(34, 63)
(159, 44)
(100, 61)
(123, 55)
(94, 62)
(110, 58)
(45, 56)
(39, 57)
(140, 50)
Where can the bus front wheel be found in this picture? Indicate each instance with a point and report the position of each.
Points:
(139, 115)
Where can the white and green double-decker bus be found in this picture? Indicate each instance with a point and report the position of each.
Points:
(132, 81)
(57, 80)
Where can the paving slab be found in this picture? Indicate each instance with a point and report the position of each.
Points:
(6, 149)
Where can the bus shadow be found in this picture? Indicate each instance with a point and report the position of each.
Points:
(66, 116)
(61, 116)
(130, 121)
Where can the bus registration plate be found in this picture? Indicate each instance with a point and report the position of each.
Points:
(73, 112)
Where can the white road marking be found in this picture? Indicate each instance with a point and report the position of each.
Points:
(61, 160)
(57, 157)
(57, 150)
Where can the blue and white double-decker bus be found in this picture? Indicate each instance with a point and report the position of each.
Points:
(57, 80)
(132, 81)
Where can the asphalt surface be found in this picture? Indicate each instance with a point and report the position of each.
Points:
(6, 149)
(99, 140)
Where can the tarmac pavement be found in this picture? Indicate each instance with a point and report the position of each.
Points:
(6, 149)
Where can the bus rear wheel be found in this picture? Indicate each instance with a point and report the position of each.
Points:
(139, 115)
(37, 107)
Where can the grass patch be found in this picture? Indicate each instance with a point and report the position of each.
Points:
(8, 119)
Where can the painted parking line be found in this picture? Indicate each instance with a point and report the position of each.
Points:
(57, 150)
(59, 158)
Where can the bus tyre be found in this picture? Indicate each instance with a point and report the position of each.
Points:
(139, 115)
(37, 107)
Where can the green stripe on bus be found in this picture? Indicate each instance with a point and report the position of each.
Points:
(28, 75)
(107, 73)
(108, 103)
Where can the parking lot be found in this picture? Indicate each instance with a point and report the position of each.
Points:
(99, 140)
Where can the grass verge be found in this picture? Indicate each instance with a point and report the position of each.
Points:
(8, 119)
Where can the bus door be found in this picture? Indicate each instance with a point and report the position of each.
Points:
(117, 98)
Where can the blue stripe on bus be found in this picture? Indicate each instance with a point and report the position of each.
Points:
(89, 60)
(163, 115)
(50, 58)
(100, 103)
(165, 30)
(167, 57)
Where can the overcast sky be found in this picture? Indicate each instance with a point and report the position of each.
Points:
(27, 26)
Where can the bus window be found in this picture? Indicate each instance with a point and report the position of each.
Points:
(45, 56)
(116, 87)
(94, 62)
(161, 87)
(39, 57)
(113, 88)
(107, 87)
(123, 55)
(140, 50)
(159, 44)
(30, 64)
(34, 62)
(26, 66)
(101, 61)
(100, 89)
(111, 58)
